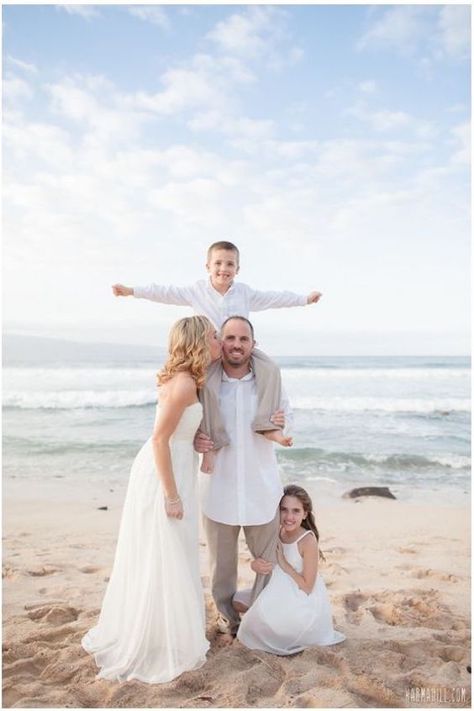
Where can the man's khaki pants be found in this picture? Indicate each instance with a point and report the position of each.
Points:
(223, 559)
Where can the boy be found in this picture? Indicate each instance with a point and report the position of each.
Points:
(218, 298)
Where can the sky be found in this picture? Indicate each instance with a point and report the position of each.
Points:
(329, 142)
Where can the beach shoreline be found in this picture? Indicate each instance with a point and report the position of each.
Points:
(397, 575)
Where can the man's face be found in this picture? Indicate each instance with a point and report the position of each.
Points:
(237, 342)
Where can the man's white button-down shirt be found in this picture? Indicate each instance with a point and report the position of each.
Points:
(245, 487)
(238, 300)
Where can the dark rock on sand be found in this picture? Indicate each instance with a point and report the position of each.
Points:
(369, 491)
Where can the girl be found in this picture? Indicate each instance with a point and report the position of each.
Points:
(152, 623)
(293, 611)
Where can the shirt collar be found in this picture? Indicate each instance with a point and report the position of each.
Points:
(226, 378)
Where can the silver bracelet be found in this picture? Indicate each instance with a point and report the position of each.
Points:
(173, 501)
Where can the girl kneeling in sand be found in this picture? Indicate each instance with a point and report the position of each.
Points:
(293, 611)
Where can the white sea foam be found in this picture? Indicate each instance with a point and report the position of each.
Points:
(74, 399)
(432, 374)
(367, 404)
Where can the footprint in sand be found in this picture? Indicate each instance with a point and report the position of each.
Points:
(453, 654)
(387, 613)
(54, 614)
(407, 549)
(352, 604)
(88, 569)
(429, 573)
(9, 573)
(42, 570)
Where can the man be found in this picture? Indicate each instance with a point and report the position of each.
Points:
(245, 488)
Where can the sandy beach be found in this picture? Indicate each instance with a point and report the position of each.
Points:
(398, 576)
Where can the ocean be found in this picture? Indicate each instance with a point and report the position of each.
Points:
(401, 422)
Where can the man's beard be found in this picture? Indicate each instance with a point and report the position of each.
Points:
(230, 361)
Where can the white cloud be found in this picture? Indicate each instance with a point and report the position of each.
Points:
(435, 32)
(103, 113)
(368, 86)
(184, 89)
(15, 89)
(259, 31)
(454, 30)
(31, 142)
(243, 33)
(25, 66)
(155, 14)
(462, 141)
(398, 28)
(383, 120)
(87, 12)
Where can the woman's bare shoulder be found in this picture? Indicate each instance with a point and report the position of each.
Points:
(180, 387)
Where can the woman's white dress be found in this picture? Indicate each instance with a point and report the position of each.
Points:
(284, 619)
(152, 622)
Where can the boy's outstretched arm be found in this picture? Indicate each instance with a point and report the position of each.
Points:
(261, 300)
(177, 295)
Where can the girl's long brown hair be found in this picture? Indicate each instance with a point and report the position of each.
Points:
(188, 350)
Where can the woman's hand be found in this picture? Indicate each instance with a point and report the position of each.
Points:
(174, 508)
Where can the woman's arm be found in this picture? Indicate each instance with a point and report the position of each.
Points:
(310, 554)
(180, 392)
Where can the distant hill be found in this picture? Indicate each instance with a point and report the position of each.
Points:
(24, 350)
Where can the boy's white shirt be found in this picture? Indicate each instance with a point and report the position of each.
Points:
(238, 300)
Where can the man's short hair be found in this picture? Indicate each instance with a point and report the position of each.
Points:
(223, 245)
(239, 318)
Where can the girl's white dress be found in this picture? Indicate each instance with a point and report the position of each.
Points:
(152, 622)
(283, 619)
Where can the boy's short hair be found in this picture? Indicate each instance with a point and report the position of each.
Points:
(223, 245)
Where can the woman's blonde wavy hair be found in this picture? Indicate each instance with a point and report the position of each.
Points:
(188, 350)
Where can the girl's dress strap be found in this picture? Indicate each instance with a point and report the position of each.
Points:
(303, 535)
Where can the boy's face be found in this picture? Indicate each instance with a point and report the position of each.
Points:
(222, 266)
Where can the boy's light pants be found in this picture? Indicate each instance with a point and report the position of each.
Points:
(222, 540)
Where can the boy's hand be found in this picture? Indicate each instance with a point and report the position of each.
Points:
(314, 297)
(121, 290)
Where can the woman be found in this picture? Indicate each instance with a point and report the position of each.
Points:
(152, 622)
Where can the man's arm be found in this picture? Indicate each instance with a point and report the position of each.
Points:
(261, 300)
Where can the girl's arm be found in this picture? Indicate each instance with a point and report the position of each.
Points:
(310, 554)
(180, 393)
